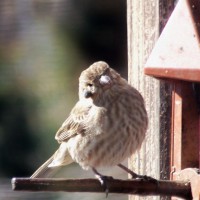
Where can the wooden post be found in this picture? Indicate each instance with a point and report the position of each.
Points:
(143, 30)
(144, 25)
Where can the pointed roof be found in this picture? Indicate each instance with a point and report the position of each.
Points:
(177, 51)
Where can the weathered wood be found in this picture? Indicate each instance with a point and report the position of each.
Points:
(165, 9)
(145, 20)
(193, 175)
(138, 186)
(143, 30)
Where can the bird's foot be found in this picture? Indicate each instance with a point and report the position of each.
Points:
(104, 182)
(135, 175)
(145, 178)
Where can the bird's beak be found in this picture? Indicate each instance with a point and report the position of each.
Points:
(88, 94)
(89, 91)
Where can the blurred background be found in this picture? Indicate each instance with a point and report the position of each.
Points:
(44, 46)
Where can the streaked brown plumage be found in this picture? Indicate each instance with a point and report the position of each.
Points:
(107, 124)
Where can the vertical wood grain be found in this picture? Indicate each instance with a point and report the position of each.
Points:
(143, 31)
(145, 20)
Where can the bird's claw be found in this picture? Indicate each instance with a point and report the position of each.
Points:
(104, 182)
(145, 178)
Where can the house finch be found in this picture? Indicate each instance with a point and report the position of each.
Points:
(106, 125)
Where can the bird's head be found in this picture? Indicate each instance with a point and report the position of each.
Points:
(95, 81)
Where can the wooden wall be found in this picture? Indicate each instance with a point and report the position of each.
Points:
(145, 20)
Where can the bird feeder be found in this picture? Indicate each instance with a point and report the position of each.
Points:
(176, 58)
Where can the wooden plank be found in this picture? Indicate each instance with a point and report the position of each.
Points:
(143, 30)
(174, 73)
(176, 131)
(145, 20)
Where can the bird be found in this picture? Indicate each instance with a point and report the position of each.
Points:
(107, 125)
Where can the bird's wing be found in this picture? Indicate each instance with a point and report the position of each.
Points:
(75, 123)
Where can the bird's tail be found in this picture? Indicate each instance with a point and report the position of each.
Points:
(44, 171)
(54, 163)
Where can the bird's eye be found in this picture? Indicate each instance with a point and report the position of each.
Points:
(105, 80)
